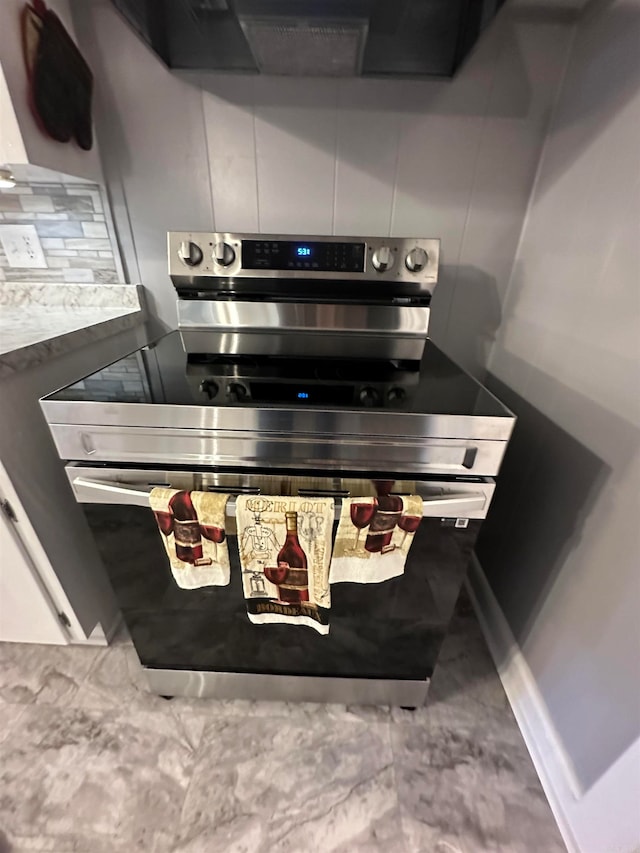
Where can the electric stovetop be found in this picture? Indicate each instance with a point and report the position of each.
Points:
(162, 373)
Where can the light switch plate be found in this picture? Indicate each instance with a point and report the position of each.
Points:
(22, 246)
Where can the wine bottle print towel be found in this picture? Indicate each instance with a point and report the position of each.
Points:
(192, 525)
(373, 538)
(285, 548)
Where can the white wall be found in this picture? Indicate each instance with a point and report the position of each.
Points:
(561, 549)
(12, 148)
(453, 159)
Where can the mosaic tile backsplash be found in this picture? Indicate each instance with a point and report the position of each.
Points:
(70, 222)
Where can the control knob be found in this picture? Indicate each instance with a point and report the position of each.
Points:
(209, 387)
(190, 253)
(369, 396)
(396, 394)
(382, 259)
(416, 260)
(237, 392)
(223, 254)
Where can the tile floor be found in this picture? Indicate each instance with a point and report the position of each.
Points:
(91, 763)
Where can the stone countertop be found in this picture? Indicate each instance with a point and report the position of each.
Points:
(40, 321)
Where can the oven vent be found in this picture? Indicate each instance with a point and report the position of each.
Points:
(306, 47)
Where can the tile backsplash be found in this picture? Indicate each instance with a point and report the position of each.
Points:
(71, 226)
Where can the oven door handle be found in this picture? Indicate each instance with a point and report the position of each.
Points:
(91, 491)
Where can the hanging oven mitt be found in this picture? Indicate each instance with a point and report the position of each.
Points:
(285, 547)
(192, 525)
(60, 81)
(373, 538)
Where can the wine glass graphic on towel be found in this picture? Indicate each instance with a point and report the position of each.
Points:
(213, 534)
(361, 515)
(408, 524)
(165, 522)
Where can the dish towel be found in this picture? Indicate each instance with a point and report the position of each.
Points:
(373, 538)
(192, 525)
(285, 548)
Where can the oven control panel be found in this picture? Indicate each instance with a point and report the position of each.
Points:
(222, 391)
(195, 257)
(335, 383)
(303, 255)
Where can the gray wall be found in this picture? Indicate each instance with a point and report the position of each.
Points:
(449, 159)
(561, 548)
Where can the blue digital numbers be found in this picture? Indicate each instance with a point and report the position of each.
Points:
(303, 395)
(303, 251)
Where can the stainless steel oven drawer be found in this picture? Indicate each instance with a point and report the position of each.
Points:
(149, 445)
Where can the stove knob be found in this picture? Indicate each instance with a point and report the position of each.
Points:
(209, 387)
(237, 392)
(396, 394)
(190, 253)
(416, 260)
(369, 396)
(223, 254)
(382, 259)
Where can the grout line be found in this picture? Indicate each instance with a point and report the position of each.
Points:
(208, 152)
(396, 169)
(255, 158)
(394, 774)
(335, 158)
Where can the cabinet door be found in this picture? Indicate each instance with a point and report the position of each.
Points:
(27, 614)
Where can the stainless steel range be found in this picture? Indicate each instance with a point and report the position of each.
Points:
(301, 366)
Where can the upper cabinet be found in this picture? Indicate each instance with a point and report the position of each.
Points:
(22, 140)
(334, 38)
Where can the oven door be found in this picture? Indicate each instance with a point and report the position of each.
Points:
(386, 633)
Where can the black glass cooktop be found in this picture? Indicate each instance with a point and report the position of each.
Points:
(163, 373)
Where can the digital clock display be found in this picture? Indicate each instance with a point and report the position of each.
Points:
(311, 256)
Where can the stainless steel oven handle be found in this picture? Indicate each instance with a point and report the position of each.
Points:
(118, 494)
(449, 505)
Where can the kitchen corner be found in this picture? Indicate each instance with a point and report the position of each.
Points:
(39, 321)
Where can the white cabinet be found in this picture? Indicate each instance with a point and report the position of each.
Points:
(21, 140)
(34, 607)
(27, 613)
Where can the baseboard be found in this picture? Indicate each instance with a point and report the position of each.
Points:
(111, 631)
(547, 753)
(101, 636)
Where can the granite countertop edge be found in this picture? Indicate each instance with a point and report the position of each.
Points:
(63, 329)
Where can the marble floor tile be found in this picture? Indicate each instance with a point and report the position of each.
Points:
(116, 680)
(268, 786)
(94, 780)
(467, 786)
(300, 712)
(91, 762)
(45, 674)
(9, 716)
